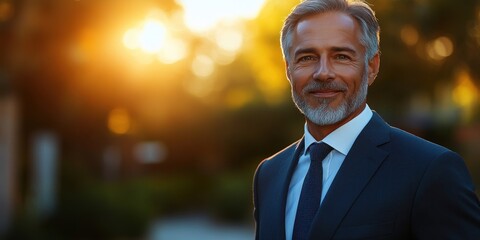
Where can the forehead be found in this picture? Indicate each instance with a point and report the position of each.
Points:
(330, 29)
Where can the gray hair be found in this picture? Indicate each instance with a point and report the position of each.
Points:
(357, 9)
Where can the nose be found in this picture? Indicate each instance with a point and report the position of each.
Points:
(324, 70)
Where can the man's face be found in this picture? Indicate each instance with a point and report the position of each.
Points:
(327, 68)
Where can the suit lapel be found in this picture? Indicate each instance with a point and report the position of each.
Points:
(281, 176)
(356, 171)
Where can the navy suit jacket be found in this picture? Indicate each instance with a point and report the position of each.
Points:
(392, 185)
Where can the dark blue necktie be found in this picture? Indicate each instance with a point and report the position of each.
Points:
(311, 191)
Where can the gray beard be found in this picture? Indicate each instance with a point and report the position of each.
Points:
(324, 114)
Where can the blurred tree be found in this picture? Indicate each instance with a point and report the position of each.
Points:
(410, 66)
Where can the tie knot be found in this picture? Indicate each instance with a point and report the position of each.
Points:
(318, 151)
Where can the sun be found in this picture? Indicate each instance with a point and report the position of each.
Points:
(220, 21)
(150, 37)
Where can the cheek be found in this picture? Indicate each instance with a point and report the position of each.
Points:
(299, 78)
(354, 87)
(296, 87)
(353, 79)
(350, 70)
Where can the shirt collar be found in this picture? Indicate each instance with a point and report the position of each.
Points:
(342, 138)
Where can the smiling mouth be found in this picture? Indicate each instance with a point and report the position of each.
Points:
(325, 93)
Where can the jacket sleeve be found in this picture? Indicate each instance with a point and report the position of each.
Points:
(446, 206)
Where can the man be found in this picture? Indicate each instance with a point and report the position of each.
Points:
(376, 181)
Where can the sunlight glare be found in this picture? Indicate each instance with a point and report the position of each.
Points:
(229, 39)
(176, 51)
(153, 36)
(130, 39)
(150, 38)
(201, 16)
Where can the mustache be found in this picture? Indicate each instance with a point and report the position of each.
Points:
(318, 86)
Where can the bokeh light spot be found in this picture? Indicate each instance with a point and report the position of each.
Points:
(229, 40)
(6, 11)
(203, 66)
(409, 35)
(238, 98)
(222, 57)
(176, 51)
(443, 46)
(465, 93)
(200, 87)
(119, 121)
(440, 48)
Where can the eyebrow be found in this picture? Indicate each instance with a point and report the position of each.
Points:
(302, 51)
(344, 49)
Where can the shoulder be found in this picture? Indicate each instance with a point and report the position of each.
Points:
(400, 144)
(406, 150)
(282, 157)
(435, 166)
(410, 144)
(285, 152)
(445, 193)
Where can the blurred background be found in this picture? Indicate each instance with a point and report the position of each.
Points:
(124, 119)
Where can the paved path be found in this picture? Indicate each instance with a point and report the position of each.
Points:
(197, 227)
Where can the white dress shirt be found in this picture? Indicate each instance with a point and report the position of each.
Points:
(341, 140)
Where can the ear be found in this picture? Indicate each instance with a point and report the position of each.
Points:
(373, 68)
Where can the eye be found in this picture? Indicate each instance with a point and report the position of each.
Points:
(342, 57)
(306, 59)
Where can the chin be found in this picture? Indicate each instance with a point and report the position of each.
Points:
(326, 115)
